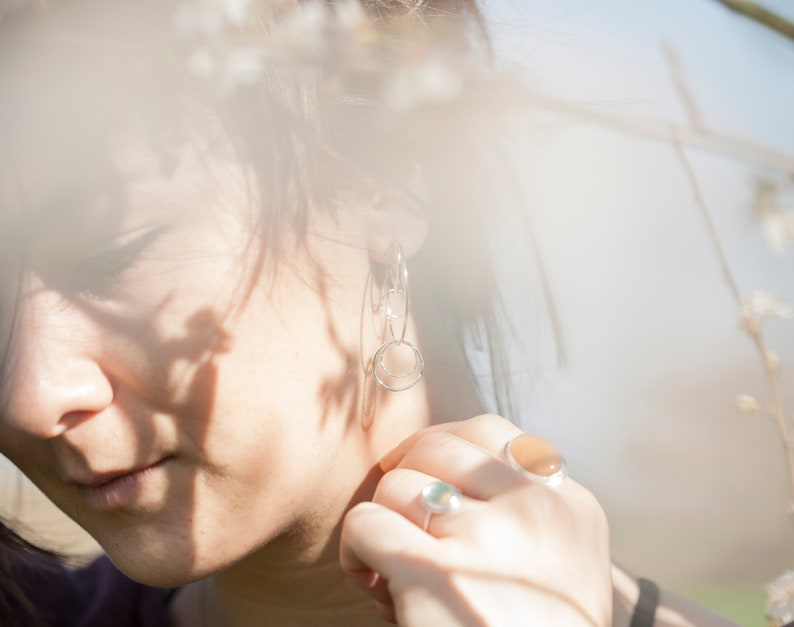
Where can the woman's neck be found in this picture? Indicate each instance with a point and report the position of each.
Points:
(294, 581)
(319, 594)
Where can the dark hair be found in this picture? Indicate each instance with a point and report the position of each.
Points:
(324, 121)
(18, 560)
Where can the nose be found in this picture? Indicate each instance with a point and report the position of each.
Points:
(55, 378)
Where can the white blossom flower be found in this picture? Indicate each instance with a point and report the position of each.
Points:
(221, 56)
(337, 38)
(238, 12)
(766, 304)
(774, 203)
(779, 607)
(748, 321)
(778, 228)
(304, 29)
(350, 15)
(761, 306)
(244, 65)
(434, 80)
(747, 404)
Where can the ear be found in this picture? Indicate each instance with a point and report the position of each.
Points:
(396, 216)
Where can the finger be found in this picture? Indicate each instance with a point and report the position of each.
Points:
(377, 588)
(478, 473)
(387, 612)
(533, 453)
(488, 431)
(401, 490)
(373, 584)
(381, 540)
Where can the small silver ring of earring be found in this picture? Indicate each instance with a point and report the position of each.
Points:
(389, 379)
(378, 364)
(398, 375)
(387, 309)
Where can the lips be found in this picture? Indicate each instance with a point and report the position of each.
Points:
(116, 489)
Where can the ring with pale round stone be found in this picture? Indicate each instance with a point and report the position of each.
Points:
(536, 458)
(439, 497)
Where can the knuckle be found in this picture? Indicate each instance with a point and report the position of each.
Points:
(390, 483)
(429, 443)
(357, 518)
(490, 421)
(590, 507)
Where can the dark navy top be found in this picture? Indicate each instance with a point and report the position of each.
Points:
(96, 595)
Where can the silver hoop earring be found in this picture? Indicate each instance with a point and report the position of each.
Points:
(390, 377)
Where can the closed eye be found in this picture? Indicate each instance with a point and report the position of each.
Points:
(99, 271)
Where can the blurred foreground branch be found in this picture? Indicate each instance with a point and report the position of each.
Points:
(764, 16)
(736, 146)
(693, 133)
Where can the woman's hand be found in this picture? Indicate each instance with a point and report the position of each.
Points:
(516, 552)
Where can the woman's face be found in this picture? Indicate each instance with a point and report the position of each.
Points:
(183, 419)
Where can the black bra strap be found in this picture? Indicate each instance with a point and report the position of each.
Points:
(645, 611)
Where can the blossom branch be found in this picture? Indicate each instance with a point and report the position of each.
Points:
(721, 143)
(779, 607)
(762, 15)
(762, 305)
(750, 322)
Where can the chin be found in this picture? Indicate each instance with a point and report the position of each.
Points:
(165, 552)
(157, 564)
(159, 573)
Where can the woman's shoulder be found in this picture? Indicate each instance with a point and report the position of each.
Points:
(94, 595)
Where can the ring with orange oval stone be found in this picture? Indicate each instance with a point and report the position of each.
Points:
(536, 458)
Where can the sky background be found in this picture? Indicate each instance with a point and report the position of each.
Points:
(645, 409)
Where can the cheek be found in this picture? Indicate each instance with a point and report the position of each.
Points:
(188, 362)
(171, 352)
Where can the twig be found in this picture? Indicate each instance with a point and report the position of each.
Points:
(723, 143)
(751, 326)
(684, 93)
(764, 16)
(700, 201)
(750, 321)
